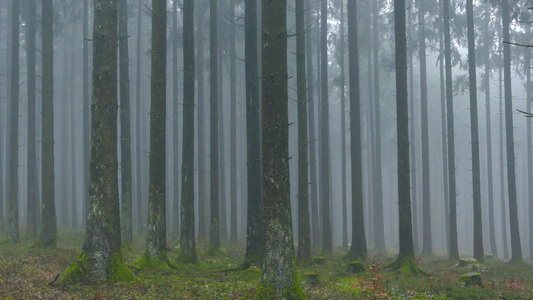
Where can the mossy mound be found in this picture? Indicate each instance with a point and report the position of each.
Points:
(405, 265)
(311, 278)
(471, 279)
(319, 260)
(185, 258)
(161, 263)
(268, 292)
(355, 267)
(465, 262)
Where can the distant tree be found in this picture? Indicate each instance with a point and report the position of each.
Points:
(138, 101)
(86, 113)
(101, 257)
(304, 234)
(254, 231)
(233, 133)
(125, 131)
(358, 249)
(516, 248)
(175, 156)
(48, 236)
(187, 239)
(13, 187)
(278, 276)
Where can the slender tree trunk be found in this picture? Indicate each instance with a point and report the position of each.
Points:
(214, 230)
(502, 168)
(358, 249)
(156, 244)
(138, 190)
(125, 131)
(223, 216)
(278, 277)
(379, 229)
(454, 249)
(327, 245)
(304, 234)
(2, 144)
(254, 239)
(175, 101)
(187, 240)
(48, 236)
(73, 191)
(516, 247)
(233, 135)
(490, 183)
(86, 113)
(12, 204)
(341, 49)
(476, 180)
(527, 59)
(33, 197)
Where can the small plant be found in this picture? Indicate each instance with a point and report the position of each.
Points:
(373, 288)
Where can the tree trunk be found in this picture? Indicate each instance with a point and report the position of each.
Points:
(33, 191)
(476, 181)
(502, 169)
(139, 190)
(490, 181)
(527, 59)
(86, 113)
(187, 240)
(278, 277)
(156, 243)
(223, 216)
(73, 192)
(12, 204)
(454, 249)
(304, 234)
(254, 239)
(175, 101)
(125, 131)
(48, 236)
(516, 248)
(341, 49)
(327, 245)
(233, 135)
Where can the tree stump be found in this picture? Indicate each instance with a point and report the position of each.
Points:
(355, 267)
(311, 278)
(319, 260)
(471, 279)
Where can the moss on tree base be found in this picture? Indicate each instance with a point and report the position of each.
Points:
(254, 260)
(267, 292)
(161, 263)
(185, 258)
(80, 270)
(406, 265)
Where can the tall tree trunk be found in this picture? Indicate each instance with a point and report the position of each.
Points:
(254, 239)
(223, 216)
(187, 240)
(233, 135)
(516, 248)
(343, 130)
(33, 191)
(138, 102)
(454, 249)
(327, 245)
(86, 113)
(278, 277)
(2, 153)
(125, 131)
(406, 257)
(304, 234)
(48, 236)
(358, 249)
(527, 66)
(73, 191)
(156, 243)
(474, 131)
(315, 229)
(101, 257)
(202, 172)
(12, 204)
(502, 169)
(379, 230)
(175, 101)
(214, 229)
(490, 183)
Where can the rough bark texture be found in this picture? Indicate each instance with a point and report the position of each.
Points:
(125, 131)
(254, 239)
(12, 205)
(474, 131)
(516, 248)
(358, 249)
(427, 246)
(405, 260)
(101, 258)
(304, 234)
(278, 278)
(48, 236)
(214, 228)
(454, 249)
(156, 243)
(327, 245)
(187, 241)
(32, 195)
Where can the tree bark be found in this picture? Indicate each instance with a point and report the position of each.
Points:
(233, 134)
(175, 101)
(86, 113)
(139, 182)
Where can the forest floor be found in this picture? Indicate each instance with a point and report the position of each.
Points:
(26, 273)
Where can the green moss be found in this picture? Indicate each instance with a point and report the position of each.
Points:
(311, 278)
(78, 271)
(213, 251)
(406, 265)
(355, 267)
(268, 291)
(184, 258)
(118, 271)
(319, 260)
(254, 260)
(161, 263)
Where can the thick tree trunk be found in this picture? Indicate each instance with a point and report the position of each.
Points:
(427, 246)
(327, 243)
(304, 234)
(187, 240)
(454, 249)
(33, 191)
(516, 248)
(156, 243)
(125, 131)
(474, 131)
(278, 277)
(48, 236)
(13, 187)
(254, 239)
